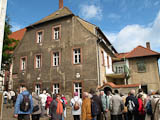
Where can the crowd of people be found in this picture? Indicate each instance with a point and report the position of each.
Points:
(94, 105)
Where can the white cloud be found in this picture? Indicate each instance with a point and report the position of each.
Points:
(91, 11)
(133, 35)
(16, 26)
(114, 16)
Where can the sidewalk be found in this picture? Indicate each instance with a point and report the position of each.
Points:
(7, 114)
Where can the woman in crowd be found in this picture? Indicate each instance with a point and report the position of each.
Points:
(36, 106)
(141, 108)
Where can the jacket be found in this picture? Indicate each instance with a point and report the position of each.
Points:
(97, 99)
(73, 100)
(105, 102)
(135, 100)
(155, 108)
(18, 102)
(86, 109)
(37, 101)
(52, 110)
(116, 105)
(141, 107)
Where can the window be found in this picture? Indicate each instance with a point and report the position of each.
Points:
(23, 63)
(56, 59)
(102, 57)
(37, 89)
(77, 56)
(38, 61)
(55, 88)
(119, 69)
(56, 33)
(39, 36)
(108, 62)
(78, 88)
(141, 67)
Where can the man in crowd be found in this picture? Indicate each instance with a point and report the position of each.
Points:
(43, 97)
(98, 103)
(24, 105)
(132, 105)
(116, 106)
(105, 104)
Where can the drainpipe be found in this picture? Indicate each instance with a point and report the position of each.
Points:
(98, 65)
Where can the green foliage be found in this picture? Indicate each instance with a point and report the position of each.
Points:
(7, 46)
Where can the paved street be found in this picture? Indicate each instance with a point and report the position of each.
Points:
(8, 114)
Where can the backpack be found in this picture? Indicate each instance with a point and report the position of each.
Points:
(94, 108)
(25, 105)
(76, 105)
(131, 106)
(149, 108)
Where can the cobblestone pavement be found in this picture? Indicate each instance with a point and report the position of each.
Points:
(7, 114)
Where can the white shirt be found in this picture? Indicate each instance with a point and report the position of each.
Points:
(43, 99)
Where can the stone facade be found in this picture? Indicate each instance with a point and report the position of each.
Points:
(148, 78)
(73, 34)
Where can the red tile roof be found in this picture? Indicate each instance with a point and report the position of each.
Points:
(139, 51)
(112, 85)
(18, 35)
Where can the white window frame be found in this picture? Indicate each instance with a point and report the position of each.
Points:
(78, 88)
(56, 59)
(37, 89)
(38, 61)
(77, 56)
(56, 88)
(56, 33)
(39, 36)
(23, 63)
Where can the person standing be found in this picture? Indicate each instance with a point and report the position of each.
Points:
(53, 108)
(24, 105)
(37, 106)
(116, 106)
(43, 97)
(76, 103)
(155, 102)
(105, 104)
(48, 102)
(5, 96)
(64, 102)
(95, 98)
(59, 110)
(141, 108)
(86, 107)
(132, 102)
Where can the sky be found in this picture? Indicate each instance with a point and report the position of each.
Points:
(126, 23)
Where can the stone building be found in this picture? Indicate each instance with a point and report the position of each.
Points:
(139, 66)
(62, 53)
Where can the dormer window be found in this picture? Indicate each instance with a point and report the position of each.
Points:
(56, 32)
(39, 36)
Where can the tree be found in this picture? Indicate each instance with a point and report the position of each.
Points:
(9, 45)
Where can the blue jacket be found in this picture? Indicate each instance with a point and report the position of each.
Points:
(19, 100)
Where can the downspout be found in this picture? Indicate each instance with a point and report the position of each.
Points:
(98, 65)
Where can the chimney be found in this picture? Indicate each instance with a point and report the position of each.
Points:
(148, 45)
(60, 4)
